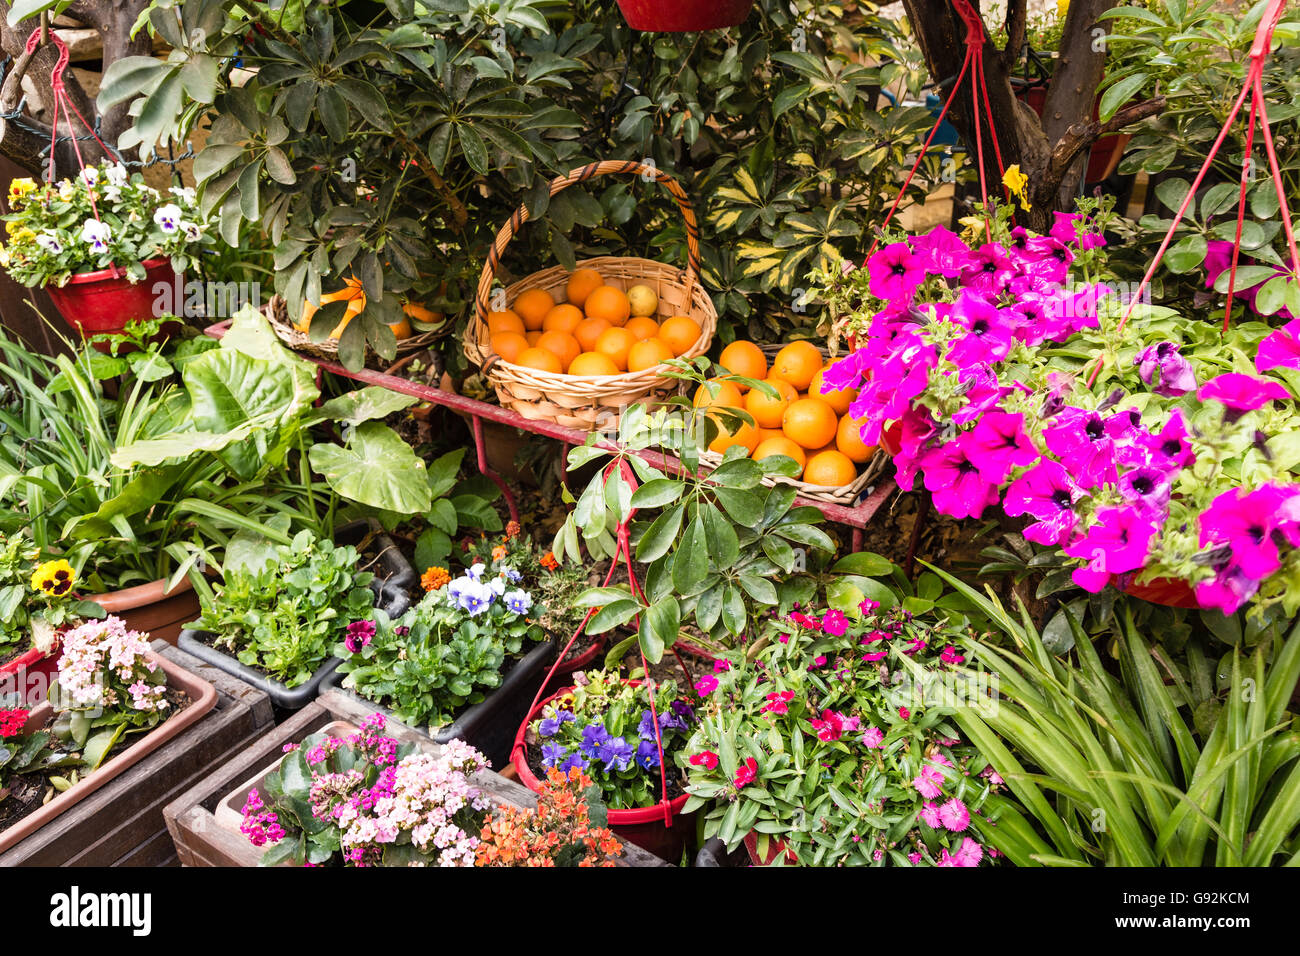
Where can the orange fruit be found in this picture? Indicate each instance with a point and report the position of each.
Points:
(532, 306)
(508, 345)
(848, 439)
(768, 411)
(539, 359)
(838, 399)
(647, 354)
(593, 363)
(744, 358)
(562, 345)
(505, 322)
(643, 327)
(609, 304)
(616, 343)
(765, 433)
(402, 329)
(728, 396)
(745, 434)
(809, 422)
(588, 331)
(829, 468)
(532, 337)
(582, 283)
(797, 363)
(780, 446)
(562, 318)
(679, 333)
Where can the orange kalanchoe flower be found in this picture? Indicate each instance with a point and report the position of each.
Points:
(557, 833)
(512, 529)
(434, 579)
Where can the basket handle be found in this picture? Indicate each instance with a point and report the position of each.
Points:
(579, 175)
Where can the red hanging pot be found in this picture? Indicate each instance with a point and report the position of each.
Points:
(1169, 592)
(30, 675)
(643, 826)
(104, 301)
(684, 16)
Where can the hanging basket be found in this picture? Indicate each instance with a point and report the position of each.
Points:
(589, 402)
(277, 313)
(684, 16)
(846, 495)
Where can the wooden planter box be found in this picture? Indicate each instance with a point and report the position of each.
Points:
(202, 841)
(121, 824)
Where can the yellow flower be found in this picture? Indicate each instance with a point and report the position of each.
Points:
(1016, 181)
(1062, 8)
(972, 227)
(24, 235)
(54, 578)
(21, 187)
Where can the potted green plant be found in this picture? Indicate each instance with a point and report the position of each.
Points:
(100, 244)
(276, 616)
(465, 662)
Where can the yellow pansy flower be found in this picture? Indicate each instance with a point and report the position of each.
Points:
(1062, 8)
(54, 578)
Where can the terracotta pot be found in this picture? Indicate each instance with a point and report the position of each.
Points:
(29, 675)
(203, 697)
(684, 16)
(644, 826)
(153, 609)
(1168, 592)
(103, 301)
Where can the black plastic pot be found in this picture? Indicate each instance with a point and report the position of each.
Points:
(714, 853)
(393, 578)
(489, 726)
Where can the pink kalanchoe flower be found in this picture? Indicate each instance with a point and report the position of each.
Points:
(707, 759)
(873, 738)
(954, 815)
(746, 773)
(1240, 394)
(895, 273)
(1048, 493)
(706, 685)
(998, 444)
(1171, 372)
(1280, 348)
(835, 623)
(1117, 542)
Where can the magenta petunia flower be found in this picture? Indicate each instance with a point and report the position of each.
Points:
(1280, 348)
(1031, 307)
(1117, 542)
(955, 483)
(1047, 258)
(1218, 259)
(990, 331)
(895, 273)
(1250, 524)
(1239, 393)
(1172, 372)
(998, 444)
(1071, 228)
(1228, 591)
(1147, 488)
(942, 251)
(989, 270)
(1169, 449)
(1080, 441)
(981, 389)
(1048, 493)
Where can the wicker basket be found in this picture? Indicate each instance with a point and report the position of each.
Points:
(589, 402)
(277, 313)
(846, 495)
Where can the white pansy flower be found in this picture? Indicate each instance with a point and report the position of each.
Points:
(184, 193)
(116, 174)
(67, 190)
(50, 242)
(90, 175)
(168, 218)
(96, 235)
(192, 232)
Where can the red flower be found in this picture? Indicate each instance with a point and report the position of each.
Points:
(777, 703)
(746, 773)
(904, 713)
(708, 760)
(12, 722)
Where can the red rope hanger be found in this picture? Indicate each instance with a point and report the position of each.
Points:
(974, 63)
(1254, 87)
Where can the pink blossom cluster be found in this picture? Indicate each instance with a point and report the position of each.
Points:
(1096, 482)
(260, 825)
(102, 661)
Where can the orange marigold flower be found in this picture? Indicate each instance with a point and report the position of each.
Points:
(499, 553)
(549, 562)
(434, 579)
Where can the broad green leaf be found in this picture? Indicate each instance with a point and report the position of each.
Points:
(376, 469)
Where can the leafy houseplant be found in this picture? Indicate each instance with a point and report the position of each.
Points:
(1177, 462)
(94, 240)
(447, 651)
(604, 727)
(832, 743)
(718, 540)
(366, 800)
(557, 586)
(1161, 766)
(284, 616)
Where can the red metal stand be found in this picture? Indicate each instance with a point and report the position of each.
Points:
(856, 516)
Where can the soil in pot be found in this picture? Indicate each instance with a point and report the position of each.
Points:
(18, 651)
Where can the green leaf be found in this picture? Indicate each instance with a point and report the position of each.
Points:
(866, 563)
(659, 628)
(657, 493)
(376, 468)
(364, 404)
(692, 558)
(1116, 96)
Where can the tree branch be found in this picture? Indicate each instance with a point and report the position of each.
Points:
(1017, 15)
(1079, 136)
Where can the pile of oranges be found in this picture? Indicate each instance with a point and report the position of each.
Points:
(599, 330)
(805, 422)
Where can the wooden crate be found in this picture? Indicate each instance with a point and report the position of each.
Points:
(122, 824)
(201, 841)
